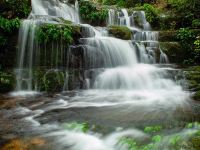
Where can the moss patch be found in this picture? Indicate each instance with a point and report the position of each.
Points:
(192, 75)
(120, 32)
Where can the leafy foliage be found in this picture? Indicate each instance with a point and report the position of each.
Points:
(19, 8)
(83, 127)
(51, 32)
(9, 26)
(183, 35)
(152, 13)
(196, 23)
(92, 13)
(151, 129)
(197, 50)
(188, 10)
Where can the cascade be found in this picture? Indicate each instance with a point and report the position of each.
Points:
(32, 54)
(145, 39)
(122, 80)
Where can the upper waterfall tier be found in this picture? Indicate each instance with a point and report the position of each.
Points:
(56, 8)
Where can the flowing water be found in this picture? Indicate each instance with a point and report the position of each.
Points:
(123, 86)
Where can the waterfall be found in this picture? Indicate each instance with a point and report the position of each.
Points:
(55, 8)
(144, 38)
(121, 82)
(29, 51)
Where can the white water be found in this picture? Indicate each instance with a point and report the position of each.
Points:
(145, 39)
(121, 80)
(55, 8)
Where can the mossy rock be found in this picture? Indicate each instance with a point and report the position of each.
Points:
(7, 82)
(174, 51)
(197, 96)
(169, 35)
(192, 75)
(195, 142)
(53, 81)
(120, 32)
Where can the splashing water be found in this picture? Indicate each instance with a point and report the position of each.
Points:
(122, 85)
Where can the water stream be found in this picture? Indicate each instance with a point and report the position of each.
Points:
(123, 85)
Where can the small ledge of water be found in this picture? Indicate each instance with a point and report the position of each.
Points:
(24, 93)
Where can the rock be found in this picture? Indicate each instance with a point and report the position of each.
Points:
(174, 51)
(193, 79)
(7, 82)
(120, 32)
(169, 35)
(54, 81)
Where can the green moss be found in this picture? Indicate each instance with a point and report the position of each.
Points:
(197, 95)
(120, 32)
(169, 35)
(174, 51)
(151, 129)
(83, 127)
(195, 142)
(53, 81)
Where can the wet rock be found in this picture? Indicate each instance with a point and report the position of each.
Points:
(20, 144)
(120, 32)
(167, 35)
(7, 81)
(174, 51)
(54, 81)
(193, 79)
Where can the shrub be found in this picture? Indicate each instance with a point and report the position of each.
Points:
(196, 23)
(9, 26)
(151, 13)
(51, 32)
(186, 38)
(92, 13)
(197, 50)
(19, 8)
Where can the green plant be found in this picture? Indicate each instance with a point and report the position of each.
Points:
(51, 32)
(188, 10)
(132, 145)
(109, 2)
(186, 38)
(151, 129)
(83, 127)
(9, 26)
(151, 13)
(19, 8)
(196, 23)
(93, 13)
(156, 138)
